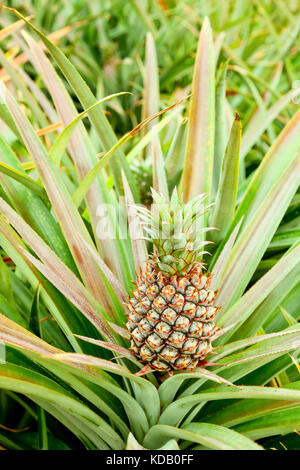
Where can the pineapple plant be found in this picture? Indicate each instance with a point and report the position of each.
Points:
(65, 358)
(171, 311)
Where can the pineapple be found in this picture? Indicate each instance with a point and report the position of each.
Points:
(142, 171)
(171, 312)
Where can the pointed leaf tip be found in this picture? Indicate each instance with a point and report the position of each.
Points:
(237, 116)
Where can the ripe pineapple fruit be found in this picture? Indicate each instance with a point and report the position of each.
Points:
(171, 312)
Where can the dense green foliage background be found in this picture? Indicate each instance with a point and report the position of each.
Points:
(256, 64)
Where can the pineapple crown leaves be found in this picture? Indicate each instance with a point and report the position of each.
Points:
(176, 229)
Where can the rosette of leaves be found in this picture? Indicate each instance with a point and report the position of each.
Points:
(65, 286)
